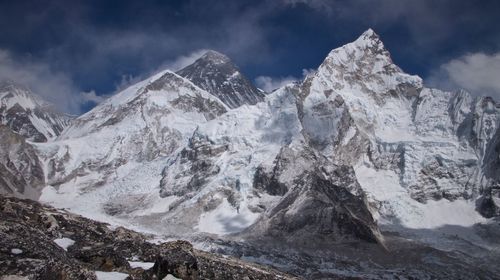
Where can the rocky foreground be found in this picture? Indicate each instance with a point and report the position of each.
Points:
(41, 242)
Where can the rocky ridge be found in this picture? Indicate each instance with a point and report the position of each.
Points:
(41, 242)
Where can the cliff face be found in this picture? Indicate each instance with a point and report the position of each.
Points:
(21, 170)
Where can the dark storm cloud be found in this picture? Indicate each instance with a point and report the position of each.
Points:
(91, 48)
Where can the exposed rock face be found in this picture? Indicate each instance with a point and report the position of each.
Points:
(488, 204)
(31, 247)
(21, 171)
(300, 195)
(325, 203)
(215, 73)
(490, 150)
(28, 115)
(193, 168)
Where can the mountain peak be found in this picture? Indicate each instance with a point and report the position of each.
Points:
(370, 33)
(366, 61)
(26, 114)
(218, 75)
(367, 48)
(370, 40)
(215, 57)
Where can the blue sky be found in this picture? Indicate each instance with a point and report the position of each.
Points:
(74, 53)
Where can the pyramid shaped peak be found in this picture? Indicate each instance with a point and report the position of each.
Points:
(365, 60)
(218, 75)
(365, 46)
(369, 33)
(215, 56)
(369, 39)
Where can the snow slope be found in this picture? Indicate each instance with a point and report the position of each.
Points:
(118, 149)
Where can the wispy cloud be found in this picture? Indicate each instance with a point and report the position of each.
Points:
(477, 72)
(55, 87)
(172, 65)
(92, 97)
(182, 60)
(268, 84)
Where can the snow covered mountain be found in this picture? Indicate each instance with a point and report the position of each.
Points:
(408, 144)
(355, 152)
(24, 119)
(217, 74)
(28, 115)
(118, 149)
(414, 150)
(166, 148)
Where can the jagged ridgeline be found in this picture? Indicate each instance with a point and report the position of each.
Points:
(359, 153)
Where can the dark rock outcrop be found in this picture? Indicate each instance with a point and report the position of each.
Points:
(215, 73)
(321, 203)
(488, 204)
(29, 247)
(197, 162)
(21, 172)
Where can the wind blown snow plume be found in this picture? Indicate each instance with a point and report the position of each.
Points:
(268, 84)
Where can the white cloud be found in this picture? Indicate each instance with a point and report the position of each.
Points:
(55, 87)
(172, 65)
(126, 81)
(91, 96)
(59, 89)
(268, 84)
(478, 73)
(306, 72)
(183, 60)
